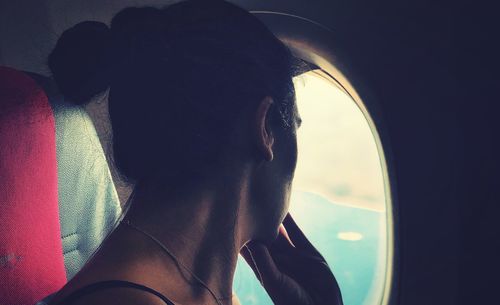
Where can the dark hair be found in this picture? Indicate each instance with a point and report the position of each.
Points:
(179, 78)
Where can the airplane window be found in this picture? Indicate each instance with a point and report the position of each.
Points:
(338, 195)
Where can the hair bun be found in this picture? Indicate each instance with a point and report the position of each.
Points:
(80, 61)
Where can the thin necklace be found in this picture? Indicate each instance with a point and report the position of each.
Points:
(176, 260)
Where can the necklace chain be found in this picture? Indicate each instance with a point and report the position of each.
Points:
(176, 260)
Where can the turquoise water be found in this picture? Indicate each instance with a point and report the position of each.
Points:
(358, 262)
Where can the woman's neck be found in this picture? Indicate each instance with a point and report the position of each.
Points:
(203, 230)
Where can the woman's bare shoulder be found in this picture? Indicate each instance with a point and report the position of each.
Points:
(116, 296)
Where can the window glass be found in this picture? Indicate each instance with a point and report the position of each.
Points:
(338, 194)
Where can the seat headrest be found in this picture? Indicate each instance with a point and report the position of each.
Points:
(31, 259)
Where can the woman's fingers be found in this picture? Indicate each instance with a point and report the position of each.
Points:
(284, 256)
(283, 289)
(291, 270)
(297, 237)
(260, 260)
(248, 256)
(284, 233)
(270, 264)
(283, 243)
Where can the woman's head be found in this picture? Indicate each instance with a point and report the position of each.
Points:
(185, 83)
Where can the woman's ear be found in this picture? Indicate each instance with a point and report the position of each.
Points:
(264, 136)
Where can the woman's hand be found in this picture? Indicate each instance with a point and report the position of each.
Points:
(291, 270)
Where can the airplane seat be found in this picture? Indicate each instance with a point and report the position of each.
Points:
(88, 202)
(31, 255)
(54, 223)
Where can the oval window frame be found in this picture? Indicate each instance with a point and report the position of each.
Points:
(317, 45)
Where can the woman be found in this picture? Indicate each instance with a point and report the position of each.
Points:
(204, 122)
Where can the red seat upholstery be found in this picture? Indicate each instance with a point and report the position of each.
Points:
(31, 258)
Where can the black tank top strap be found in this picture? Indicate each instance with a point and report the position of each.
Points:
(108, 285)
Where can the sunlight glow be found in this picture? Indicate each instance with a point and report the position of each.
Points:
(338, 156)
(350, 236)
